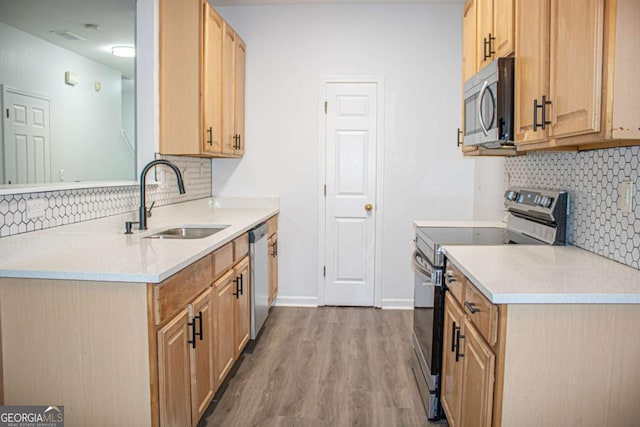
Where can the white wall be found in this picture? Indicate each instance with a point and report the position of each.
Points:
(488, 202)
(417, 50)
(85, 124)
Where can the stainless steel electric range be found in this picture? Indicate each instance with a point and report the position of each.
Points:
(535, 217)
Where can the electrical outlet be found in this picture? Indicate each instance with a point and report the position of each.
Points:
(626, 192)
(201, 170)
(35, 208)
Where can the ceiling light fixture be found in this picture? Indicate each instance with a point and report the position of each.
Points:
(124, 51)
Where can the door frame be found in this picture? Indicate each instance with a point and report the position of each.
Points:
(322, 177)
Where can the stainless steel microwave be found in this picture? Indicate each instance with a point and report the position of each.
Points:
(488, 106)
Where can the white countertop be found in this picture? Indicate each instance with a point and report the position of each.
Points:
(99, 250)
(521, 274)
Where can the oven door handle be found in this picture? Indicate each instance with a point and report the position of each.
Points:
(428, 271)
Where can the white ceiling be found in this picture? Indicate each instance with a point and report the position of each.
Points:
(116, 22)
(268, 2)
(115, 18)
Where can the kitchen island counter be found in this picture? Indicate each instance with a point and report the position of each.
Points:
(98, 250)
(522, 274)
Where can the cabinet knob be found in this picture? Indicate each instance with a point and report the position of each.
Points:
(368, 207)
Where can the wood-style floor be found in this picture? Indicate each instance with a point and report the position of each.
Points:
(328, 366)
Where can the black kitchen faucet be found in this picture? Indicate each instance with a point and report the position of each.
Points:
(142, 210)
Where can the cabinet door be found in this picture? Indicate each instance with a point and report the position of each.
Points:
(240, 71)
(174, 375)
(272, 254)
(228, 95)
(212, 81)
(503, 19)
(451, 369)
(243, 306)
(477, 379)
(202, 367)
(532, 67)
(224, 306)
(179, 69)
(484, 10)
(273, 267)
(468, 40)
(576, 66)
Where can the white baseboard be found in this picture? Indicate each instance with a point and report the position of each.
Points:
(397, 304)
(285, 301)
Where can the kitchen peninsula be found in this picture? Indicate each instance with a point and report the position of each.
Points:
(89, 314)
(539, 335)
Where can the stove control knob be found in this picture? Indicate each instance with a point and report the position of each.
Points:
(510, 195)
(545, 201)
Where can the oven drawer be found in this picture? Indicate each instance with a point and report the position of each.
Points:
(455, 282)
(482, 313)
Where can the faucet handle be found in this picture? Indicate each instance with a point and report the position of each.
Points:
(148, 211)
(128, 225)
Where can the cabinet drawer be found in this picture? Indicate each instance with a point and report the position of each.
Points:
(455, 281)
(240, 247)
(482, 313)
(272, 224)
(222, 260)
(178, 290)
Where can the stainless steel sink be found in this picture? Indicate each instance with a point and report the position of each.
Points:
(187, 232)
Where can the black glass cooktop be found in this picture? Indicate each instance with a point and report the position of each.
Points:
(466, 235)
(474, 236)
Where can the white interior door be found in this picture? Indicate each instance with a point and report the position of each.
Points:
(350, 214)
(26, 138)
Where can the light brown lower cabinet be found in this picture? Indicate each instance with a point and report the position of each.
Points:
(175, 371)
(185, 363)
(451, 368)
(224, 354)
(530, 365)
(129, 354)
(203, 386)
(273, 266)
(242, 305)
(232, 310)
(467, 372)
(478, 364)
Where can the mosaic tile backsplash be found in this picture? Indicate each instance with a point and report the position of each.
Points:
(70, 206)
(593, 178)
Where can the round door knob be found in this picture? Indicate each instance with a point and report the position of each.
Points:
(368, 207)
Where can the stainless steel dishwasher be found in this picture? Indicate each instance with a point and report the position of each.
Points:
(259, 253)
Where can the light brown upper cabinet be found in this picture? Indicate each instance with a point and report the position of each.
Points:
(494, 30)
(197, 97)
(212, 81)
(233, 82)
(575, 66)
(532, 68)
(478, 17)
(468, 40)
(239, 78)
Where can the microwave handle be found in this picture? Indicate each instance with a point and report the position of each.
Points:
(485, 88)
